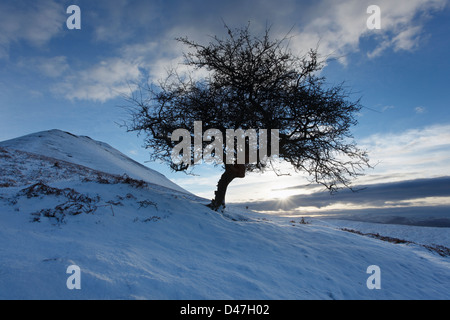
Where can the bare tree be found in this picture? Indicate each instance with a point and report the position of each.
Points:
(253, 83)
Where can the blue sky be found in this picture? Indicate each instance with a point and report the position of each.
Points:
(53, 77)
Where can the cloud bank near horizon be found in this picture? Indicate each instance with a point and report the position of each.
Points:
(416, 202)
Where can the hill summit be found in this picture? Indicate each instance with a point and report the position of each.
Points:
(84, 151)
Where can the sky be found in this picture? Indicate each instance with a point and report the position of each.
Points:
(54, 77)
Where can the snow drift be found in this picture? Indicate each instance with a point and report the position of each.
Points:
(68, 200)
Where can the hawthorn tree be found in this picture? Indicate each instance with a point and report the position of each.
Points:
(254, 82)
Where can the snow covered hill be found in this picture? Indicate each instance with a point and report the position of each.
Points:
(84, 151)
(65, 201)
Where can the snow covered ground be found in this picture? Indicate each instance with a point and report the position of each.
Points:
(136, 238)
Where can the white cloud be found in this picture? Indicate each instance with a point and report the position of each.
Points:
(119, 20)
(386, 108)
(120, 74)
(412, 154)
(407, 39)
(402, 24)
(53, 67)
(337, 26)
(420, 110)
(101, 82)
(35, 22)
(50, 67)
(340, 25)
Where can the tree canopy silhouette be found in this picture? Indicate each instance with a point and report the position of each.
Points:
(254, 82)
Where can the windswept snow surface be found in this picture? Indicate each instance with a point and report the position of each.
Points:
(145, 241)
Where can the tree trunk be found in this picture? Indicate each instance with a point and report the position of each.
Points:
(231, 171)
